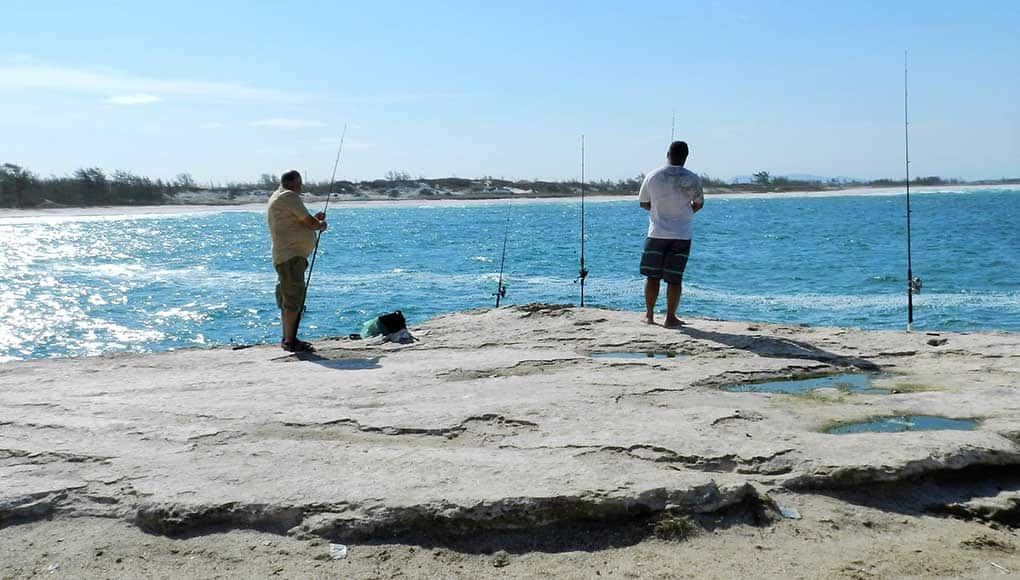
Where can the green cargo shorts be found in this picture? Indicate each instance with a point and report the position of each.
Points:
(290, 289)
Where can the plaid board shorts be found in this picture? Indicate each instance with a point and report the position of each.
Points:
(290, 289)
(665, 259)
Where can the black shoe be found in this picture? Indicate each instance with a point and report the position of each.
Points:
(297, 346)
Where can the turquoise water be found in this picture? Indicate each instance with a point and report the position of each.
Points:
(905, 423)
(845, 382)
(89, 285)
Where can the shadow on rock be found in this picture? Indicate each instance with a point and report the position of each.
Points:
(340, 364)
(981, 493)
(776, 347)
(585, 536)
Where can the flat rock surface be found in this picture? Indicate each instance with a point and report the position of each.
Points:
(494, 419)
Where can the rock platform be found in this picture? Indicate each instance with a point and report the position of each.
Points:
(494, 420)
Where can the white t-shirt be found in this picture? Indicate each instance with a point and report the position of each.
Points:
(671, 189)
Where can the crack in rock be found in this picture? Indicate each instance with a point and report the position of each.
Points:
(478, 423)
(617, 398)
(521, 369)
(551, 310)
(739, 416)
(12, 457)
(773, 464)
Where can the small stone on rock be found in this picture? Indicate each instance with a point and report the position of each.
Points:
(501, 559)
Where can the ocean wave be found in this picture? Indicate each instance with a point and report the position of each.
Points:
(814, 301)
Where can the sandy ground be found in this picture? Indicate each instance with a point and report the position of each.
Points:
(834, 539)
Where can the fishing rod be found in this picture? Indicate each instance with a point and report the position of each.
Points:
(913, 284)
(500, 288)
(582, 273)
(318, 234)
(672, 129)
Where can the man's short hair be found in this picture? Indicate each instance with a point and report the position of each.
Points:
(290, 177)
(678, 150)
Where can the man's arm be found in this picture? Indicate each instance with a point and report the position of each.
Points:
(699, 200)
(314, 223)
(644, 196)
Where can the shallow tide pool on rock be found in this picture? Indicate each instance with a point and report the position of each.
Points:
(844, 382)
(902, 423)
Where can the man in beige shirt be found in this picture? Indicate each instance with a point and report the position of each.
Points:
(292, 231)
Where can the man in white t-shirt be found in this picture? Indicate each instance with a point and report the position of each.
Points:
(672, 195)
(292, 231)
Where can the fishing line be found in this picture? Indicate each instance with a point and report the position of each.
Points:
(318, 234)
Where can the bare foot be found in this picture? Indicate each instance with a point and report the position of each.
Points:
(649, 320)
(673, 323)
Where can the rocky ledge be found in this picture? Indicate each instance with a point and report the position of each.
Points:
(499, 420)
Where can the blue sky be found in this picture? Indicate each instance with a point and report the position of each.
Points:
(229, 90)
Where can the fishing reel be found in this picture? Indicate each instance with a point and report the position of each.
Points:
(500, 294)
(915, 285)
(581, 275)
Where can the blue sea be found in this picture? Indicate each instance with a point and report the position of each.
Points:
(79, 285)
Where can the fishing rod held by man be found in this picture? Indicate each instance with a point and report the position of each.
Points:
(292, 230)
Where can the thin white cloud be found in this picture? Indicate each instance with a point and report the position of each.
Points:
(106, 82)
(400, 98)
(288, 123)
(213, 125)
(332, 142)
(358, 145)
(135, 99)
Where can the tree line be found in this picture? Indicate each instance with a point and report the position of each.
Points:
(87, 186)
(90, 186)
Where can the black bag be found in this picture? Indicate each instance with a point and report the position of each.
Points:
(393, 322)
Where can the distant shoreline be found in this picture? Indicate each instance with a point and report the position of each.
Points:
(212, 204)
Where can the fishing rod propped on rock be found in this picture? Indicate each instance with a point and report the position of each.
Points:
(500, 288)
(913, 283)
(582, 272)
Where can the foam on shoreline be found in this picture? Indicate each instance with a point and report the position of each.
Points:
(8, 215)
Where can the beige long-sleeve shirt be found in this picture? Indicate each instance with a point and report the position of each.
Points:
(290, 237)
